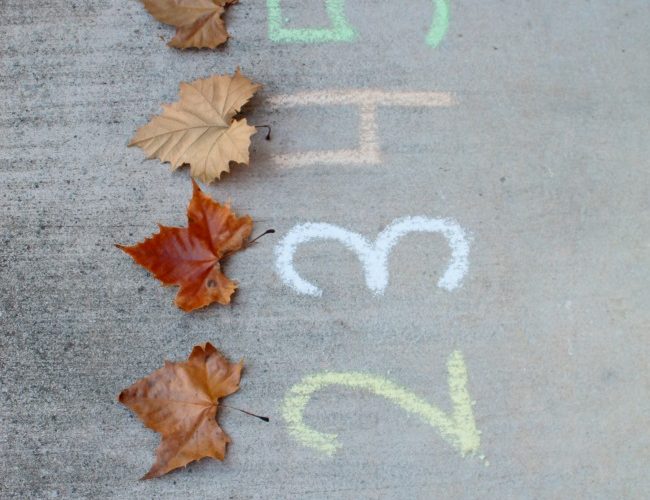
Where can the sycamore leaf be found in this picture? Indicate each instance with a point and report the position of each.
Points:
(199, 129)
(180, 402)
(190, 256)
(198, 22)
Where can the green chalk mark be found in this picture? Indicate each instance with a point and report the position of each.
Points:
(341, 30)
(440, 23)
(458, 429)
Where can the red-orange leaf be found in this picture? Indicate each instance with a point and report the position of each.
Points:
(190, 256)
(180, 402)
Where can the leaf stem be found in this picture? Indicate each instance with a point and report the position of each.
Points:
(268, 127)
(268, 231)
(265, 419)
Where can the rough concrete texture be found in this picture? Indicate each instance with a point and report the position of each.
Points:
(544, 160)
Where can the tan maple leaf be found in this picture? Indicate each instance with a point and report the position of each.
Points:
(199, 129)
(190, 257)
(198, 22)
(180, 402)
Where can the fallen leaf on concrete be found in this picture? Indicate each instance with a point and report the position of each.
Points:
(199, 129)
(198, 22)
(190, 256)
(180, 402)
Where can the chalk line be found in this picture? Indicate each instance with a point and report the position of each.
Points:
(368, 97)
(368, 151)
(458, 428)
(373, 256)
(340, 29)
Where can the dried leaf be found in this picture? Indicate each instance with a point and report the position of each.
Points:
(199, 129)
(180, 402)
(190, 257)
(198, 22)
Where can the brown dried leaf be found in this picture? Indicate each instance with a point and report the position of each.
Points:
(198, 22)
(190, 257)
(180, 402)
(199, 129)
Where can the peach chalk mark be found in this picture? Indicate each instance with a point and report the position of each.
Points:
(373, 256)
(458, 428)
(367, 102)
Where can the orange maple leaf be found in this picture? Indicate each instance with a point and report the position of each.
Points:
(180, 402)
(190, 256)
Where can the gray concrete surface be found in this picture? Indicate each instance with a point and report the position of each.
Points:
(544, 160)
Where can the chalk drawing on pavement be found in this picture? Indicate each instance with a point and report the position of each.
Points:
(373, 256)
(458, 428)
(367, 101)
(340, 29)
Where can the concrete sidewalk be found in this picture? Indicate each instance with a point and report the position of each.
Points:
(540, 154)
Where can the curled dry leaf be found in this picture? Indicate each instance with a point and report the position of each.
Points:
(199, 129)
(190, 256)
(180, 402)
(198, 22)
